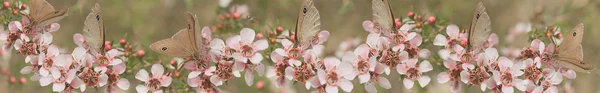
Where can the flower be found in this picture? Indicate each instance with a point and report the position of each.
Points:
(375, 78)
(278, 70)
(108, 59)
(203, 84)
(61, 75)
(293, 54)
(454, 37)
(220, 51)
(199, 67)
(114, 80)
(224, 72)
(154, 81)
(507, 76)
(301, 74)
(453, 75)
(360, 64)
(414, 72)
(249, 76)
(247, 49)
(332, 76)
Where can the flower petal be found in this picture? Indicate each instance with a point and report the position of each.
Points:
(166, 81)
(408, 83)
(331, 89)
(157, 70)
(141, 89)
(142, 75)
(424, 80)
(123, 84)
(346, 85)
(425, 66)
(260, 45)
(363, 78)
(249, 77)
(443, 77)
(384, 83)
(440, 40)
(58, 87)
(247, 35)
(256, 58)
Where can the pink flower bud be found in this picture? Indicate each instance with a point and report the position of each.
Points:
(141, 53)
(13, 80)
(236, 15)
(279, 29)
(431, 19)
(260, 85)
(260, 36)
(411, 14)
(6, 4)
(23, 80)
(122, 42)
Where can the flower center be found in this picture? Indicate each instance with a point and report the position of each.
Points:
(224, 70)
(413, 74)
(455, 73)
(332, 78)
(477, 76)
(303, 73)
(28, 48)
(153, 84)
(466, 57)
(507, 78)
(412, 51)
(392, 59)
(363, 66)
(48, 63)
(529, 53)
(247, 51)
(531, 73)
(90, 78)
(294, 53)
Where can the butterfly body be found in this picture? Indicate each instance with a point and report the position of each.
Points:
(93, 31)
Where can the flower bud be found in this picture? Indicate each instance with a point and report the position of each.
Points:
(23, 80)
(260, 36)
(122, 42)
(141, 53)
(411, 14)
(431, 20)
(6, 4)
(13, 80)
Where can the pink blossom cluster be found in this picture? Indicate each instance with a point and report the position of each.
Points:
(384, 51)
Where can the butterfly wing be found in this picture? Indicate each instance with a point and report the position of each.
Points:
(309, 23)
(42, 13)
(93, 30)
(178, 46)
(570, 53)
(383, 14)
(481, 28)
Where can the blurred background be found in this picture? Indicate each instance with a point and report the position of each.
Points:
(144, 21)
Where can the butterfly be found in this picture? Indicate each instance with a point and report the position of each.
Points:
(93, 31)
(43, 14)
(308, 24)
(479, 30)
(185, 44)
(570, 53)
(383, 15)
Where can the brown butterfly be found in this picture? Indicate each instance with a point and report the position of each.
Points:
(383, 16)
(308, 24)
(570, 53)
(185, 44)
(480, 29)
(43, 14)
(93, 31)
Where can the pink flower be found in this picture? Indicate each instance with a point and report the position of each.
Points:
(220, 51)
(392, 59)
(453, 75)
(199, 67)
(491, 41)
(301, 74)
(530, 68)
(108, 59)
(278, 70)
(48, 60)
(92, 78)
(413, 47)
(225, 70)
(398, 39)
(61, 75)
(360, 64)
(507, 76)
(247, 49)
(203, 84)
(376, 44)
(375, 78)
(464, 56)
(332, 76)
(293, 54)
(454, 37)
(369, 27)
(153, 82)
(414, 72)
(114, 80)
(249, 76)
(320, 38)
